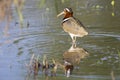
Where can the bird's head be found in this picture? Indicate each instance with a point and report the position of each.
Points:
(67, 12)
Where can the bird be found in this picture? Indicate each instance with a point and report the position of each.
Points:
(72, 25)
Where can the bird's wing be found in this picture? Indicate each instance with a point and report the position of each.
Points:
(78, 22)
(74, 26)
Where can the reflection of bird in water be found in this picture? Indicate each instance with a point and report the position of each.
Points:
(75, 54)
(72, 25)
(68, 68)
(71, 57)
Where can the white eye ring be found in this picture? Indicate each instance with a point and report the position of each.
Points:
(67, 9)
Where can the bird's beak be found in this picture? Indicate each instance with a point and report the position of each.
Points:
(61, 14)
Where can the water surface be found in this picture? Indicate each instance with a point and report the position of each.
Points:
(45, 36)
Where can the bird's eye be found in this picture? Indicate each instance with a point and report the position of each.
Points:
(65, 10)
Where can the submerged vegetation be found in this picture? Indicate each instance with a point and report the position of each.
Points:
(6, 9)
(48, 69)
(19, 6)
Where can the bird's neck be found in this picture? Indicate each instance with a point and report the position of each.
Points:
(65, 19)
(68, 15)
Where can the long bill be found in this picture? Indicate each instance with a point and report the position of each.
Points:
(60, 14)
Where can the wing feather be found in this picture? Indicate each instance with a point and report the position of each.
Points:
(74, 26)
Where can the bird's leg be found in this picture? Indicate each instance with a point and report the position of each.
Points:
(74, 39)
(74, 45)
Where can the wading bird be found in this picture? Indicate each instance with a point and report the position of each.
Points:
(71, 25)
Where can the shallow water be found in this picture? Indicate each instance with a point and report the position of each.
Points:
(44, 36)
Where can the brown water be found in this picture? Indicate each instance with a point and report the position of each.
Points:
(44, 35)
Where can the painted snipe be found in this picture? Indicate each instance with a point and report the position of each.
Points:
(72, 25)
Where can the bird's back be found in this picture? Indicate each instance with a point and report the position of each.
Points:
(74, 26)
